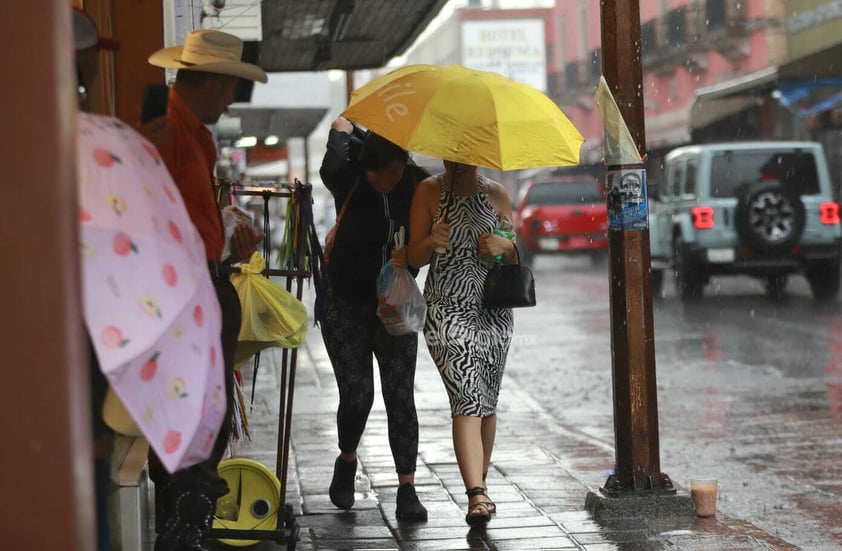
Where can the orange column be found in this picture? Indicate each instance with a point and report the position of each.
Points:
(101, 98)
(46, 485)
(139, 26)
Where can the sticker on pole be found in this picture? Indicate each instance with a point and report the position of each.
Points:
(627, 202)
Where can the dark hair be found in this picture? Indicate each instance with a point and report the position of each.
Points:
(377, 152)
(418, 173)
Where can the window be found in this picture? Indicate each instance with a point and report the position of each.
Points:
(564, 193)
(690, 177)
(648, 40)
(571, 76)
(674, 179)
(733, 171)
(715, 13)
(677, 27)
(596, 63)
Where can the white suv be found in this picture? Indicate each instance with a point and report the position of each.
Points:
(763, 209)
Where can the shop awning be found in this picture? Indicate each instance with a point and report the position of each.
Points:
(721, 100)
(667, 129)
(283, 122)
(316, 35)
(290, 105)
(825, 63)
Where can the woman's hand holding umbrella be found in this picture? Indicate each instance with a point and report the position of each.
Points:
(440, 235)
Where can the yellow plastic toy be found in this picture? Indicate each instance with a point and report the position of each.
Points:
(251, 502)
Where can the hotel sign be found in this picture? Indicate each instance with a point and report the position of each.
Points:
(515, 48)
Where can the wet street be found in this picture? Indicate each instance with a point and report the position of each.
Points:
(749, 390)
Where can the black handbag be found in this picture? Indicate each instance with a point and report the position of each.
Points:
(509, 286)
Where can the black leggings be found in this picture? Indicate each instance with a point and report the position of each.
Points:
(352, 332)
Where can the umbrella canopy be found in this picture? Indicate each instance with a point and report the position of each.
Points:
(468, 116)
(149, 303)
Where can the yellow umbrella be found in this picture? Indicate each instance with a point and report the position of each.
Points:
(468, 116)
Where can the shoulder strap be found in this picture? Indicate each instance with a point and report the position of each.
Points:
(344, 206)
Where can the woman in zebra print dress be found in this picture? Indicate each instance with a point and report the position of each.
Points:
(456, 214)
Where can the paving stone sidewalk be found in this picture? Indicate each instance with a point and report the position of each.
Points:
(539, 479)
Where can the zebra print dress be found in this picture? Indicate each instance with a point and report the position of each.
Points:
(467, 341)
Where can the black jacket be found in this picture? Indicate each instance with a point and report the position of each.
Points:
(364, 239)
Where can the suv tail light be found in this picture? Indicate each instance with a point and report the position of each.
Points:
(703, 217)
(829, 213)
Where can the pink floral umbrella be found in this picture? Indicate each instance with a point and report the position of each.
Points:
(149, 303)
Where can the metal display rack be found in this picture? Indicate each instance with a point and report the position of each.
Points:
(287, 528)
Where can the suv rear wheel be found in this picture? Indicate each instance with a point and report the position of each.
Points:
(688, 280)
(823, 276)
(768, 217)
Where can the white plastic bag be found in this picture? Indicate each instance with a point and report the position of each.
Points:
(400, 304)
(232, 215)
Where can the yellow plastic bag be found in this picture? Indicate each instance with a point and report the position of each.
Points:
(272, 316)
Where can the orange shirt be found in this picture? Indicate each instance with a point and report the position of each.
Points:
(189, 152)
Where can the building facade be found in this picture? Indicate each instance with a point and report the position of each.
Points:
(713, 70)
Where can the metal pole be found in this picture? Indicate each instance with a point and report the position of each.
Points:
(638, 466)
(349, 85)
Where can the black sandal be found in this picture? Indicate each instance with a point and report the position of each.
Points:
(478, 513)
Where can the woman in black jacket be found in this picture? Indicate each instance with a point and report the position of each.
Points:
(378, 189)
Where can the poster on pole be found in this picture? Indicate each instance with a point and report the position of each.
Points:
(628, 207)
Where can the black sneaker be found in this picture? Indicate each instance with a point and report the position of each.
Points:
(409, 509)
(342, 486)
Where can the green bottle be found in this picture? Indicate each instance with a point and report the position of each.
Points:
(504, 228)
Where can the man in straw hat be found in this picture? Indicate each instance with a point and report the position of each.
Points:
(209, 66)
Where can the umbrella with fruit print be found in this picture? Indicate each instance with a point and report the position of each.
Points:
(149, 303)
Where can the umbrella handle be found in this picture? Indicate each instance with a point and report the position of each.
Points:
(441, 250)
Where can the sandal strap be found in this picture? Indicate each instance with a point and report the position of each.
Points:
(476, 491)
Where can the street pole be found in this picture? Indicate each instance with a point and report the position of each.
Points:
(638, 468)
(349, 85)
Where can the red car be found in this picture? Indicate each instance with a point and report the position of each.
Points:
(562, 215)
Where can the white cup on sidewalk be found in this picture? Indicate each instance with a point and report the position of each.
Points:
(703, 490)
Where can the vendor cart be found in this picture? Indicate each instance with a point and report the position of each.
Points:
(277, 520)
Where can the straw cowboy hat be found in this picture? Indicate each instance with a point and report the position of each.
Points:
(209, 51)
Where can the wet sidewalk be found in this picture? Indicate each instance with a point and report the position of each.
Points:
(541, 473)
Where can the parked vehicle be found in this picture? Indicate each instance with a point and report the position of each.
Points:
(562, 215)
(763, 209)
